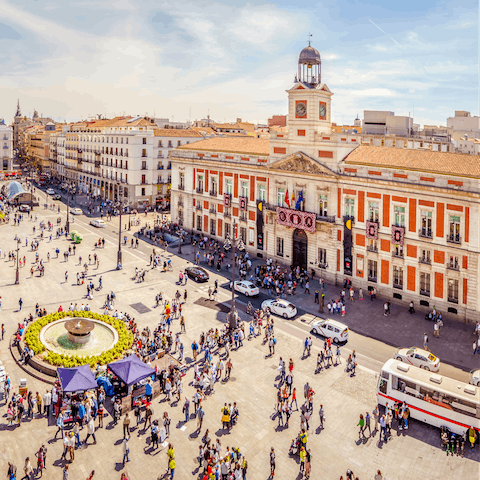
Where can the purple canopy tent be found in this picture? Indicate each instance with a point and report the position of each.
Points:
(131, 369)
(76, 379)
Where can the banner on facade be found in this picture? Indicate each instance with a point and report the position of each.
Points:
(259, 224)
(296, 219)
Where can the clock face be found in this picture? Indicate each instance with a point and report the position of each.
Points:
(301, 109)
(323, 110)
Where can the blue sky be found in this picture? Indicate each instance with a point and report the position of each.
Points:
(72, 59)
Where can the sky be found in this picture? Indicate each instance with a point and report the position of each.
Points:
(185, 59)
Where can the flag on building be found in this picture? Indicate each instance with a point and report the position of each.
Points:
(299, 200)
(293, 198)
(287, 200)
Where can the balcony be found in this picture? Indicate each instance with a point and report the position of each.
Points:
(213, 193)
(213, 210)
(372, 248)
(397, 254)
(169, 167)
(453, 299)
(270, 206)
(180, 203)
(143, 168)
(398, 285)
(243, 219)
(199, 208)
(372, 279)
(325, 218)
(97, 163)
(457, 239)
(199, 190)
(425, 260)
(425, 233)
(453, 266)
(181, 186)
(227, 214)
(425, 293)
(159, 167)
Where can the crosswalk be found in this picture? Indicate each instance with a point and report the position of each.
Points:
(203, 290)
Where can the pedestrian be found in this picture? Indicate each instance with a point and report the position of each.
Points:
(385, 309)
(91, 431)
(360, 294)
(361, 424)
(316, 296)
(321, 413)
(186, 409)
(28, 469)
(338, 356)
(126, 425)
(436, 330)
(126, 449)
(367, 424)
(376, 417)
(378, 475)
(474, 347)
(425, 341)
(65, 472)
(411, 309)
(303, 456)
(20, 303)
(200, 415)
(272, 462)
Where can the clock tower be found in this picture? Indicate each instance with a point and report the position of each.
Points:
(309, 111)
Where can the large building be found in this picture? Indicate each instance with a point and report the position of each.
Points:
(397, 216)
(463, 124)
(6, 146)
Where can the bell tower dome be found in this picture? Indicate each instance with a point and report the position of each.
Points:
(310, 66)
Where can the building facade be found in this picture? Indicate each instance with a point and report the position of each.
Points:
(6, 146)
(398, 219)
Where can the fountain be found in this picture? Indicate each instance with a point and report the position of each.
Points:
(79, 330)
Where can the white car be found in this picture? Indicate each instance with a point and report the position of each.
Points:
(76, 211)
(98, 223)
(51, 191)
(283, 308)
(247, 288)
(418, 358)
(474, 378)
(329, 328)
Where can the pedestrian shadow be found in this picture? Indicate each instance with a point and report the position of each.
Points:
(194, 434)
(319, 429)
(280, 428)
(119, 441)
(119, 466)
(222, 431)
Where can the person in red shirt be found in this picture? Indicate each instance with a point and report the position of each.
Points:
(60, 308)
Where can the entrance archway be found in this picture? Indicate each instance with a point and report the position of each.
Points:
(300, 244)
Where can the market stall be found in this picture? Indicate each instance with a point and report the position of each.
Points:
(133, 376)
(75, 385)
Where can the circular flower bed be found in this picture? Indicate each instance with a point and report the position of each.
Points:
(32, 340)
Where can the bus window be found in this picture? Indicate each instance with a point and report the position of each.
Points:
(395, 382)
(383, 382)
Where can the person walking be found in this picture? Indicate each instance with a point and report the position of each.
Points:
(28, 469)
(425, 342)
(126, 425)
(376, 417)
(436, 330)
(91, 431)
(200, 415)
(411, 309)
(272, 462)
(367, 424)
(361, 424)
(321, 414)
(126, 449)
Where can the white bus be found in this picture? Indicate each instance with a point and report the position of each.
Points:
(431, 398)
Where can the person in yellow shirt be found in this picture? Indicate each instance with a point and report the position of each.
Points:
(171, 467)
(303, 456)
(225, 416)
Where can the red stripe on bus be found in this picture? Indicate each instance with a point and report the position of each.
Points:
(429, 413)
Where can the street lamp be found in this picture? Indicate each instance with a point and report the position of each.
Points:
(17, 274)
(67, 223)
(323, 267)
(234, 243)
(119, 255)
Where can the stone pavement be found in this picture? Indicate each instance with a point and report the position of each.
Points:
(414, 454)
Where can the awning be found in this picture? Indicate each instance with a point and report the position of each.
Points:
(131, 369)
(77, 379)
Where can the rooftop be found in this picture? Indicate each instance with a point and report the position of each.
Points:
(244, 145)
(176, 132)
(421, 160)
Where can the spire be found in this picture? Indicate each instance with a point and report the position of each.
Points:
(309, 38)
(19, 112)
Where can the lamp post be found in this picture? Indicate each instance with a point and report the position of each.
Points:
(119, 255)
(234, 243)
(67, 223)
(323, 267)
(17, 274)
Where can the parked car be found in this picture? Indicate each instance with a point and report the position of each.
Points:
(24, 208)
(57, 197)
(76, 211)
(330, 328)
(246, 287)
(98, 223)
(418, 358)
(50, 191)
(474, 378)
(197, 273)
(280, 307)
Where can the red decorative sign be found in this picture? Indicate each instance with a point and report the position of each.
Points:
(371, 230)
(243, 201)
(296, 219)
(398, 233)
(227, 199)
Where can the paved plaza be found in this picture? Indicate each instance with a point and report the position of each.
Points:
(412, 454)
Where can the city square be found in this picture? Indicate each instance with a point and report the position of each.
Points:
(335, 448)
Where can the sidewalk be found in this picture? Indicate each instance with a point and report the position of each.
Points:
(399, 329)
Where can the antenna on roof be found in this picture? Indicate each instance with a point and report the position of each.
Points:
(309, 38)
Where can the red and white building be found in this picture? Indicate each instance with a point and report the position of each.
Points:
(400, 217)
